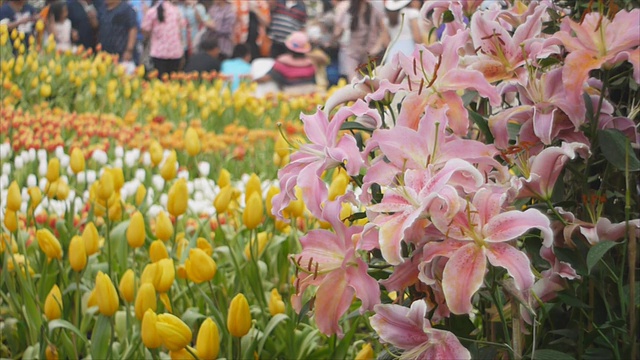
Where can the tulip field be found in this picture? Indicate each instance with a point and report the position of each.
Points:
(478, 198)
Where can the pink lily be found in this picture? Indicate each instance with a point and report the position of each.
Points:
(480, 232)
(330, 262)
(409, 330)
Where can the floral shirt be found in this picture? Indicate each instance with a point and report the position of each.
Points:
(166, 36)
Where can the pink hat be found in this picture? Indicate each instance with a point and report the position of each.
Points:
(298, 42)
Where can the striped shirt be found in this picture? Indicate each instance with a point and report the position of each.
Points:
(285, 20)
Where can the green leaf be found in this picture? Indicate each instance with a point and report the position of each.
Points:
(615, 148)
(548, 354)
(482, 124)
(101, 338)
(64, 324)
(597, 252)
(352, 125)
(277, 319)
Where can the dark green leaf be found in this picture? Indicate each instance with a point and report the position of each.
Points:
(597, 252)
(277, 319)
(352, 125)
(572, 301)
(447, 17)
(548, 354)
(59, 323)
(482, 124)
(616, 149)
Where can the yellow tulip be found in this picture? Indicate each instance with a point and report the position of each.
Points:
(36, 197)
(118, 178)
(164, 299)
(126, 285)
(253, 212)
(51, 353)
(164, 227)
(11, 220)
(338, 186)
(296, 207)
(7, 241)
(221, 202)
(157, 251)
(77, 161)
(135, 232)
(148, 332)
(273, 191)
(169, 168)
(53, 304)
(92, 300)
(281, 147)
(200, 267)
(178, 198)
(53, 170)
(115, 209)
(263, 239)
(49, 244)
(161, 274)
(183, 354)
(276, 305)
(91, 239)
(145, 299)
(141, 194)
(224, 178)
(202, 243)
(175, 334)
(155, 152)
(106, 295)
(366, 353)
(208, 340)
(62, 190)
(253, 185)
(192, 142)
(239, 316)
(105, 185)
(45, 90)
(14, 200)
(77, 253)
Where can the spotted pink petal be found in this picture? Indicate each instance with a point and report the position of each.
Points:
(366, 287)
(444, 345)
(515, 261)
(333, 299)
(401, 326)
(463, 276)
(511, 224)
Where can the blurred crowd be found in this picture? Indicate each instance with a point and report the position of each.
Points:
(291, 45)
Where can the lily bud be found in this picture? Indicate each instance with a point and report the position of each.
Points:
(145, 299)
(175, 334)
(141, 194)
(239, 316)
(168, 170)
(126, 285)
(192, 142)
(91, 239)
(77, 161)
(200, 267)
(148, 332)
(253, 185)
(106, 295)
(224, 178)
(164, 227)
(178, 198)
(157, 251)
(77, 254)
(49, 244)
(135, 232)
(14, 200)
(276, 305)
(253, 212)
(53, 304)
(221, 202)
(208, 340)
(53, 170)
(11, 220)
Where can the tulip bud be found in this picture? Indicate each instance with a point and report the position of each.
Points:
(91, 239)
(366, 353)
(157, 251)
(253, 185)
(338, 186)
(145, 299)
(200, 266)
(253, 212)
(92, 300)
(77, 254)
(202, 243)
(192, 142)
(135, 232)
(115, 209)
(281, 147)
(118, 178)
(224, 178)
(105, 186)
(148, 332)
(263, 239)
(53, 304)
(49, 244)
(161, 274)
(168, 170)
(53, 170)
(141, 194)
(77, 161)
(106, 295)
(6, 241)
(183, 354)
(126, 285)
(296, 207)
(14, 200)
(276, 305)
(221, 202)
(164, 227)
(273, 191)
(239, 317)
(51, 353)
(155, 152)
(36, 197)
(175, 334)
(208, 340)
(164, 299)
(11, 220)
(178, 198)
(62, 190)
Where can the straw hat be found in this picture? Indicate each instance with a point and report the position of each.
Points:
(395, 5)
(298, 42)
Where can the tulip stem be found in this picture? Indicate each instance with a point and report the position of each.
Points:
(213, 297)
(107, 238)
(78, 303)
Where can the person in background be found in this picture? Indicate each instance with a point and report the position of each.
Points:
(287, 17)
(223, 21)
(118, 29)
(207, 58)
(196, 18)
(164, 23)
(403, 27)
(17, 14)
(425, 25)
(294, 71)
(239, 65)
(84, 20)
(61, 28)
(253, 18)
(142, 52)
